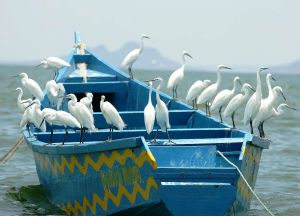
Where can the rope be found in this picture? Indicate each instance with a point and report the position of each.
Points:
(12, 150)
(265, 207)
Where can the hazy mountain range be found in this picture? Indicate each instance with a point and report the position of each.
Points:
(153, 59)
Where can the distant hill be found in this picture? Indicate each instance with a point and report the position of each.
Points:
(293, 67)
(151, 58)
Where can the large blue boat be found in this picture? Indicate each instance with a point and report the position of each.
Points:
(132, 176)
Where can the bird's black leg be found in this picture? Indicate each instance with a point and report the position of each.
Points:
(112, 130)
(27, 127)
(81, 131)
(232, 118)
(173, 92)
(51, 136)
(65, 136)
(130, 72)
(193, 104)
(262, 130)
(55, 73)
(196, 105)
(251, 127)
(208, 108)
(170, 141)
(176, 91)
(259, 130)
(206, 111)
(220, 113)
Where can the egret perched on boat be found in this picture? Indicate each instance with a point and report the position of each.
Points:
(195, 90)
(211, 91)
(88, 101)
(82, 114)
(177, 75)
(33, 114)
(60, 95)
(133, 55)
(60, 118)
(161, 111)
(149, 112)
(238, 101)
(22, 104)
(55, 92)
(111, 115)
(273, 113)
(266, 108)
(31, 86)
(54, 62)
(224, 96)
(254, 102)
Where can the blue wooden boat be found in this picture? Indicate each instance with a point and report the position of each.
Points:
(130, 176)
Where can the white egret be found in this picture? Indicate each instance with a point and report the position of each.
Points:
(254, 102)
(33, 114)
(82, 114)
(31, 86)
(60, 95)
(238, 101)
(161, 111)
(273, 113)
(87, 101)
(133, 56)
(22, 104)
(60, 118)
(54, 62)
(149, 112)
(195, 90)
(177, 75)
(55, 92)
(111, 116)
(224, 96)
(211, 91)
(265, 110)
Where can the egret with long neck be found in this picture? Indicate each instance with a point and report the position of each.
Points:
(253, 105)
(149, 112)
(224, 96)
(133, 56)
(211, 91)
(178, 75)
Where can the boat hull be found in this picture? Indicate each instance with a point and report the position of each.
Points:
(101, 182)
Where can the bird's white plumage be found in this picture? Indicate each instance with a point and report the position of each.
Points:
(196, 89)
(176, 77)
(22, 104)
(54, 62)
(55, 92)
(224, 96)
(34, 115)
(81, 113)
(254, 102)
(133, 55)
(149, 112)
(87, 101)
(31, 86)
(239, 100)
(161, 110)
(266, 108)
(211, 91)
(60, 118)
(111, 114)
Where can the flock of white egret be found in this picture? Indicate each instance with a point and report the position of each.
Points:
(80, 116)
(257, 109)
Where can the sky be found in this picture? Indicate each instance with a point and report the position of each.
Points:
(239, 32)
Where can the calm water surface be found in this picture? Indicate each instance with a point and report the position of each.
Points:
(278, 182)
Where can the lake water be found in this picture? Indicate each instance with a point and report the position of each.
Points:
(278, 182)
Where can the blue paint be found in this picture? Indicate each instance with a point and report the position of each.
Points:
(188, 178)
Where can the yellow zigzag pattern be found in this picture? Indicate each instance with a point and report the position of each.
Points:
(103, 159)
(103, 203)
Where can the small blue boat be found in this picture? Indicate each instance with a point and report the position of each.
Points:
(130, 175)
